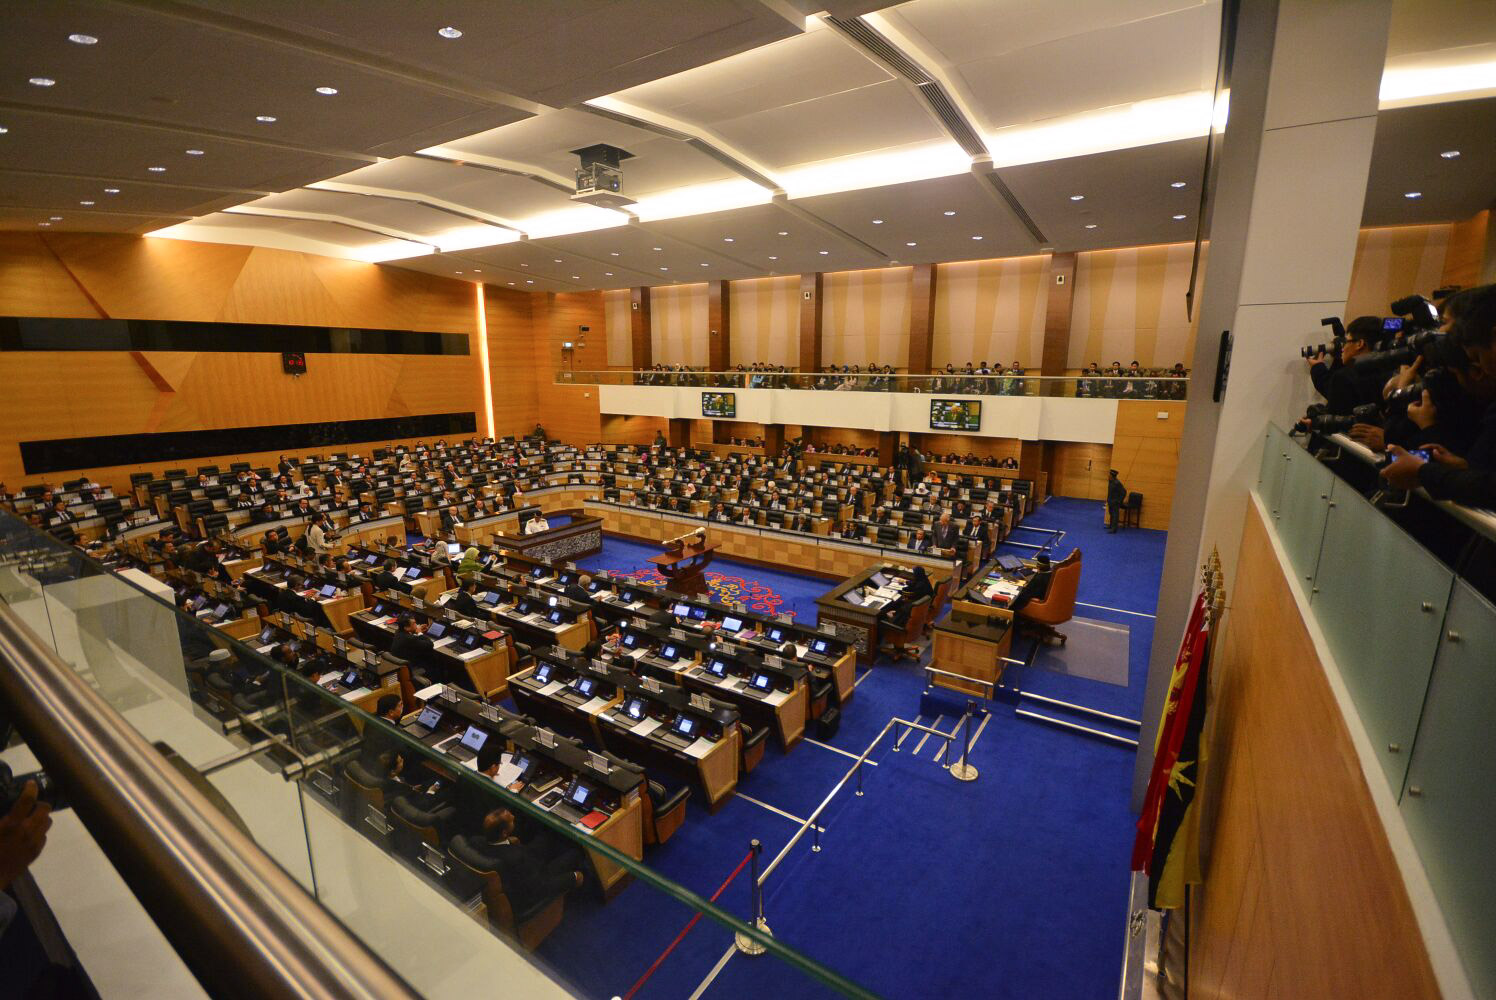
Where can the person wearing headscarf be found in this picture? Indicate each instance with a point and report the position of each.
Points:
(469, 567)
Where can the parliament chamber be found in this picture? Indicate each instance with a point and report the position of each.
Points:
(747, 498)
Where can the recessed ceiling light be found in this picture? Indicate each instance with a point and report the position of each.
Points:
(1413, 194)
(157, 170)
(706, 265)
(44, 223)
(1178, 217)
(111, 190)
(727, 239)
(511, 282)
(976, 237)
(773, 258)
(83, 39)
(950, 213)
(459, 272)
(327, 91)
(3, 130)
(1451, 154)
(783, 233)
(911, 244)
(524, 265)
(449, 32)
(193, 152)
(1090, 225)
(529, 281)
(556, 260)
(657, 248)
(56, 218)
(1077, 197)
(824, 252)
(42, 81)
(1177, 184)
(877, 222)
(265, 119)
(85, 203)
(613, 253)
(477, 270)
(664, 269)
(576, 277)
(607, 274)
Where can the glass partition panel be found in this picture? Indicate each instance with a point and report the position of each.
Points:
(1450, 800)
(388, 832)
(1276, 448)
(1380, 598)
(1303, 504)
(1157, 385)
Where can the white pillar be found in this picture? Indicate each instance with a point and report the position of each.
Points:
(1287, 209)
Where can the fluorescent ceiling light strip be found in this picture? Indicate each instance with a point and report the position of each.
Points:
(868, 170)
(206, 230)
(701, 199)
(1450, 74)
(571, 221)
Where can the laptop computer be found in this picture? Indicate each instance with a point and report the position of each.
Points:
(472, 741)
(425, 723)
(761, 686)
(575, 802)
(683, 731)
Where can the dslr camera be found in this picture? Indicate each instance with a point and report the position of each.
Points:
(47, 790)
(1333, 347)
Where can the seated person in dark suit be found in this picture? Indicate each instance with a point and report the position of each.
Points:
(385, 578)
(919, 587)
(919, 541)
(1036, 587)
(379, 754)
(411, 644)
(463, 600)
(577, 591)
(533, 873)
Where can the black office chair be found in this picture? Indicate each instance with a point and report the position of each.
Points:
(1132, 511)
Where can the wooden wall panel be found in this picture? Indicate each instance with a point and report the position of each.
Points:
(512, 361)
(1302, 897)
(1466, 258)
(1145, 453)
(766, 320)
(1079, 470)
(61, 395)
(568, 412)
(855, 437)
(991, 310)
(1393, 261)
(620, 429)
(962, 444)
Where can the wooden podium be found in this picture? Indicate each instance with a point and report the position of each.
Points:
(685, 569)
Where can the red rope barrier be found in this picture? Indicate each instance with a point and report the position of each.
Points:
(686, 929)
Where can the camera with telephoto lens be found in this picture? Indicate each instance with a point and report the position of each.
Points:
(1336, 423)
(1334, 346)
(11, 785)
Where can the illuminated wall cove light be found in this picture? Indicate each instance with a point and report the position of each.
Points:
(42, 81)
(265, 119)
(83, 39)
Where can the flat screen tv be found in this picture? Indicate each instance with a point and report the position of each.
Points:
(955, 415)
(719, 404)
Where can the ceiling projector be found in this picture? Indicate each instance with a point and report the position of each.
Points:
(600, 177)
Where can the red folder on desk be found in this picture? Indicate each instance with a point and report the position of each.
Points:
(594, 819)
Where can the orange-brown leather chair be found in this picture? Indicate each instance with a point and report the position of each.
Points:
(1058, 606)
(900, 642)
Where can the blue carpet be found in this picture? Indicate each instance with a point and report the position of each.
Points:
(1012, 886)
(763, 590)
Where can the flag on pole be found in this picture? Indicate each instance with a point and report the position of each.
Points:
(1167, 844)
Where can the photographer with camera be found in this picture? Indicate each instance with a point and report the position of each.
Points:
(23, 834)
(1346, 386)
(1466, 476)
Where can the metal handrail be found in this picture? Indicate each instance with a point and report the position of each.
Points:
(242, 925)
(1124, 377)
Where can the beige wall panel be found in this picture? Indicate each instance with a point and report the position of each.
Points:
(865, 317)
(990, 310)
(766, 320)
(678, 324)
(1391, 262)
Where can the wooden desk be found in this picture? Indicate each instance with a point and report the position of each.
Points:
(581, 536)
(685, 568)
(339, 608)
(973, 646)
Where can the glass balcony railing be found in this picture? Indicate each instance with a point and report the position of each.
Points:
(1163, 384)
(286, 758)
(1412, 629)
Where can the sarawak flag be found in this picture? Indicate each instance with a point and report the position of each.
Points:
(1167, 844)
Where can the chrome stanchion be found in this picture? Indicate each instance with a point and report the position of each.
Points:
(745, 944)
(859, 777)
(964, 770)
